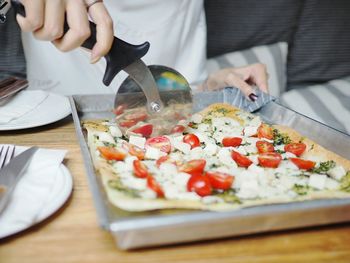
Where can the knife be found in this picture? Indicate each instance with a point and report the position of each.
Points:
(11, 85)
(127, 57)
(12, 173)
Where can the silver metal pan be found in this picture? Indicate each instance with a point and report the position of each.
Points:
(135, 230)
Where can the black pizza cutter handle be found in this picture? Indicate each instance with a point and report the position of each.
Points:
(121, 54)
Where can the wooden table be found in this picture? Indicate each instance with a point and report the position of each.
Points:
(72, 234)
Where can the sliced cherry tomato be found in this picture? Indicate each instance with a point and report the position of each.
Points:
(179, 116)
(264, 147)
(194, 167)
(160, 142)
(199, 184)
(127, 124)
(178, 129)
(220, 180)
(145, 130)
(303, 164)
(136, 116)
(119, 110)
(231, 141)
(165, 159)
(240, 159)
(270, 159)
(265, 131)
(155, 186)
(297, 148)
(140, 169)
(192, 140)
(111, 153)
(136, 151)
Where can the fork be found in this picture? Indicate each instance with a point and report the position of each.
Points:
(6, 154)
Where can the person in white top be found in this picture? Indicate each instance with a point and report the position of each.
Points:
(176, 30)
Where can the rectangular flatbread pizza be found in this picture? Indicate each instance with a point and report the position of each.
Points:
(221, 159)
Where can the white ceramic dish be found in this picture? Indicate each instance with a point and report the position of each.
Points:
(59, 193)
(54, 108)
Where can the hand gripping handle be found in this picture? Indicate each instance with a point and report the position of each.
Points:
(121, 54)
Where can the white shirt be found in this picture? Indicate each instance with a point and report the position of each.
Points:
(176, 30)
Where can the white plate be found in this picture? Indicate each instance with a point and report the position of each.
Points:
(54, 108)
(59, 193)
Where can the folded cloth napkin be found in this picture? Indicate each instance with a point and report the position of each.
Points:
(32, 191)
(21, 104)
(236, 98)
(232, 96)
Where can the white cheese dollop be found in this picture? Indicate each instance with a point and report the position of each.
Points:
(197, 118)
(332, 184)
(241, 150)
(105, 137)
(225, 158)
(181, 146)
(134, 182)
(256, 121)
(153, 153)
(210, 149)
(288, 155)
(168, 168)
(254, 158)
(137, 141)
(122, 169)
(220, 122)
(318, 181)
(203, 127)
(338, 172)
(115, 131)
(148, 194)
(249, 190)
(250, 130)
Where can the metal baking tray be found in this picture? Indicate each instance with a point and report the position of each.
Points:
(145, 229)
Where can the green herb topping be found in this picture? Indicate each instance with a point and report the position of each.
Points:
(345, 183)
(207, 121)
(117, 184)
(280, 151)
(193, 125)
(301, 189)
(222, 110)
(280, 138)
(324, 167)
(108, 144)
(229, 196)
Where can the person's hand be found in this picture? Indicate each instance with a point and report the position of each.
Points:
(45, 18)
(243, 78)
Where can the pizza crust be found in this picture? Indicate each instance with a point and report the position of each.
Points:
(125, 202)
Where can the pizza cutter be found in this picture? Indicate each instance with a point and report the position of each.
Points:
(152, 99)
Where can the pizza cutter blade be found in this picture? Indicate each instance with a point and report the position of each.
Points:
(152, 100)
(155, 96)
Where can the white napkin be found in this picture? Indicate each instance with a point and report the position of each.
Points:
(32, 191)
(20, 104)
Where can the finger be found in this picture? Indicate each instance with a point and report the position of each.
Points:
(236, 81)
(54, 21)
(104, 31)
(259, 77)
(34, 15)
(78, 23)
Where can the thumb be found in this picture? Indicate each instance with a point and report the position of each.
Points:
(236, 81)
